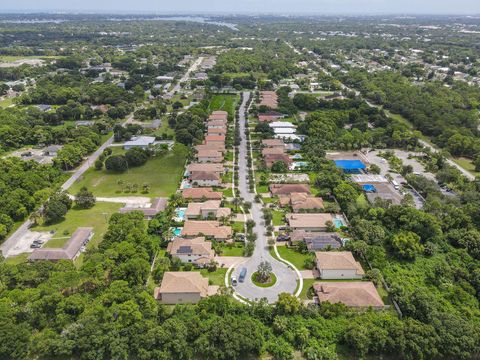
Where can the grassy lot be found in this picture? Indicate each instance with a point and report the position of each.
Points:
(467, 164)
(10, 58)
(96, 217)
(164, 129)
(228, 192)
(262, 189)
(293, 256)
(18, 259)
(236, 250)
(6, 102)
(215, 278)
(307, 284)
(278, 218)
(224, 102)
(238, 226)
(162, 174)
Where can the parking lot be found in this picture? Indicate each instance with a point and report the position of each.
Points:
(38, 154)
(24, 243)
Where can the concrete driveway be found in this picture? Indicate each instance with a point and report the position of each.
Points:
(286, 277)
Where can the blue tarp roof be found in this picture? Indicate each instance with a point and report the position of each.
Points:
(369, 187)
(350, 164)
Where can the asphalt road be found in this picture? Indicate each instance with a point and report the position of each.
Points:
(286, 277)
(11, 242)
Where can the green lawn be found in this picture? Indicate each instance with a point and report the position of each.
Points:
(96, 217)
(18, 259)
(10, 58)
(236, 250)
(278, 218)
(261, 189)
(215, 278)
(293, 256)
(164, 129)
(163, 174)
(6, 102)
(307, 284)
(467, 164)
(224, 102)
(228, 192)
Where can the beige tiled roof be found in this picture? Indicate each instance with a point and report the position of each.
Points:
(286, 189)
(308, 220)
(194, 209)
(338, 260)
(214, 138)
(206, 228)
(209, 153)
(301, 201)
(198, 246)
(273, 143)
(354, 293)
(184, 282)
(196, 167)
(274, 150)
(199, 193)
(204, 175)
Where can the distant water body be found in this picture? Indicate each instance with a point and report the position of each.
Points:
(172, 18)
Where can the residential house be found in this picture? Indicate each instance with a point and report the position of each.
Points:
(209, 156)
(200, 167)
(301, 202)
(205, 179)
(273, 143)
(157, 205)
(309, 222)
(287, 189)
(187, 287)
(356, 294)
(338, 265)
(209, 229)
(273, 151)
(201, 194)
(270, 116)
(196, 251)
(316, 240)
(271, 159)
(207, 209)
(139, 141)
(217, 131)
(211, 146)
(268, 99)
(70, 251)
(216, 124)
(214, 139)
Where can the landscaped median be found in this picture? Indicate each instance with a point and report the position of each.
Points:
(272, 279)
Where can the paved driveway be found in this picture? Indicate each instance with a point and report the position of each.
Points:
(286, 277)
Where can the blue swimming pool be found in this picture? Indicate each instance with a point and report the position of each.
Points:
(180, 214)
(177, 231)
(338, 223)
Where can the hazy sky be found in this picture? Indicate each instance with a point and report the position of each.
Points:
(251, 6)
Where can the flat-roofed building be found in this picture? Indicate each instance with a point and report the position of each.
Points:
(157, 205)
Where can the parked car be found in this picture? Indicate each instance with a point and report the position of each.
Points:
(233, 279)
(243, 273)
(35, 245)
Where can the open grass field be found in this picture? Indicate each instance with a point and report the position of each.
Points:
(224, 102)
(96, 217)
(163, 174)
(235, 250)
(467, 164)
(278, 218)
(10, 58)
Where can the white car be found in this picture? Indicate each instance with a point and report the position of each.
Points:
(233, 279)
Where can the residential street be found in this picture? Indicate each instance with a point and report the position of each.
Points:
(11, 242)
(286, 277)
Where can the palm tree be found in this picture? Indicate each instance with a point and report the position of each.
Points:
(236, 202)
(264, 270)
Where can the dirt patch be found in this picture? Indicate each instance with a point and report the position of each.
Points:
(98, 181)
